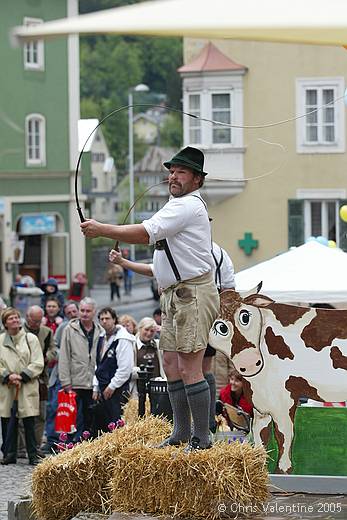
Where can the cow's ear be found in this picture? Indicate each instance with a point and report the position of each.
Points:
(260, 300)
(229, 295)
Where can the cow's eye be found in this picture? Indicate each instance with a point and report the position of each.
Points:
(244, 317)
(221, 328)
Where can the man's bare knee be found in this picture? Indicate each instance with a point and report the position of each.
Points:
(207, 364)
(170, 363)
(190, 366)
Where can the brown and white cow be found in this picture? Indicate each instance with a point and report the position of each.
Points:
(284, 352)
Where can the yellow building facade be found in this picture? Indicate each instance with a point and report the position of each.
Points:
(291, 177)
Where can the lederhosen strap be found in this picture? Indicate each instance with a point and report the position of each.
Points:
(218, 276)
(162, 244)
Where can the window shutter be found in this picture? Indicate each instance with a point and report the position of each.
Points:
(296, 234)
(343, 228)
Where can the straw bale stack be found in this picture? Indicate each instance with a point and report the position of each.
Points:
(169, 482)
(131, 410)
(76, 480)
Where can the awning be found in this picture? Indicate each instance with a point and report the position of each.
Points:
(311, 273)
(298, 21)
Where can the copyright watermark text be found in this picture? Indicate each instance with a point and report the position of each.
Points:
(275, 507)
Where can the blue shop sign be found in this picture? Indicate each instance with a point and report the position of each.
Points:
(39, 224)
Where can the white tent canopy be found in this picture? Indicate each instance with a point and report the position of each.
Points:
(310, 273)
(298, 21)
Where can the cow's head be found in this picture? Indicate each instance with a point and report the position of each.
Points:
(237, 331)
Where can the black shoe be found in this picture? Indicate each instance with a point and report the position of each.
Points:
(46, 449)
(194, 445)
(22, 455)
(8, 460)
(41, 453)
(34, 462)
(167, 442)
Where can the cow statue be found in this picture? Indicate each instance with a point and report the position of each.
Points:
(285, 352)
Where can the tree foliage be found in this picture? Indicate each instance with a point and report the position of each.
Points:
(171, 131)
(111, 65)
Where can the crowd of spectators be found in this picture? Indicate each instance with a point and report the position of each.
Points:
(69, 346)
(73, 347)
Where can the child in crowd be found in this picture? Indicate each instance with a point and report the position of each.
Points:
(233, 393)
(50, 288)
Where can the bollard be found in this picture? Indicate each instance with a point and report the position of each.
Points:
(145, 375)
(20, 510)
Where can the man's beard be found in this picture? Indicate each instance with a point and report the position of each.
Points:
(177, 194)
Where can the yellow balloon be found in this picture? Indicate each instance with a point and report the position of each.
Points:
(331, 243)
(343, 213)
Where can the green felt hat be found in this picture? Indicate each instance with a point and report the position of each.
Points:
(190, 157)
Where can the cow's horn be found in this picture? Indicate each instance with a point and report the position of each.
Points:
(255, 290)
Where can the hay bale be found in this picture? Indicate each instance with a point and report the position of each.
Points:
(76, 480)
(169, 482)
(131, 410)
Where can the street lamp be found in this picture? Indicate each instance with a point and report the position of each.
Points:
(139, 88)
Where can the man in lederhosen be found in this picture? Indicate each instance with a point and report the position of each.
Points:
(182, 264)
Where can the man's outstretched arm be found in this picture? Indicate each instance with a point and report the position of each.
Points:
(131, 234)
(116, 258)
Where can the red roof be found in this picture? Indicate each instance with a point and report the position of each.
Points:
(211, 59)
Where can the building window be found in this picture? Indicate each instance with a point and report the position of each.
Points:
(152, 206)
(316, 217)
(94, 183)
(320, 124)
(221, 111)
(194, 124)
(321, 219)
(118, 207)
(35, 129)
(98, 157)
(321, 130)
(33, 49)
(217, 105)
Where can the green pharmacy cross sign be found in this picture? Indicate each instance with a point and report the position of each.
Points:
(248, 243)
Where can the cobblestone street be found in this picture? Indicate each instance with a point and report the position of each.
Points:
(14, 483)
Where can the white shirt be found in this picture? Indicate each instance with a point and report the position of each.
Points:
(227, 278)
(184, 222)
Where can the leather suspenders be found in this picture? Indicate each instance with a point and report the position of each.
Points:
(162, 244)
(218, 275)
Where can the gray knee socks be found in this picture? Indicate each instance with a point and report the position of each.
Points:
(212, 386)
(198, 395)
(181, 411)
